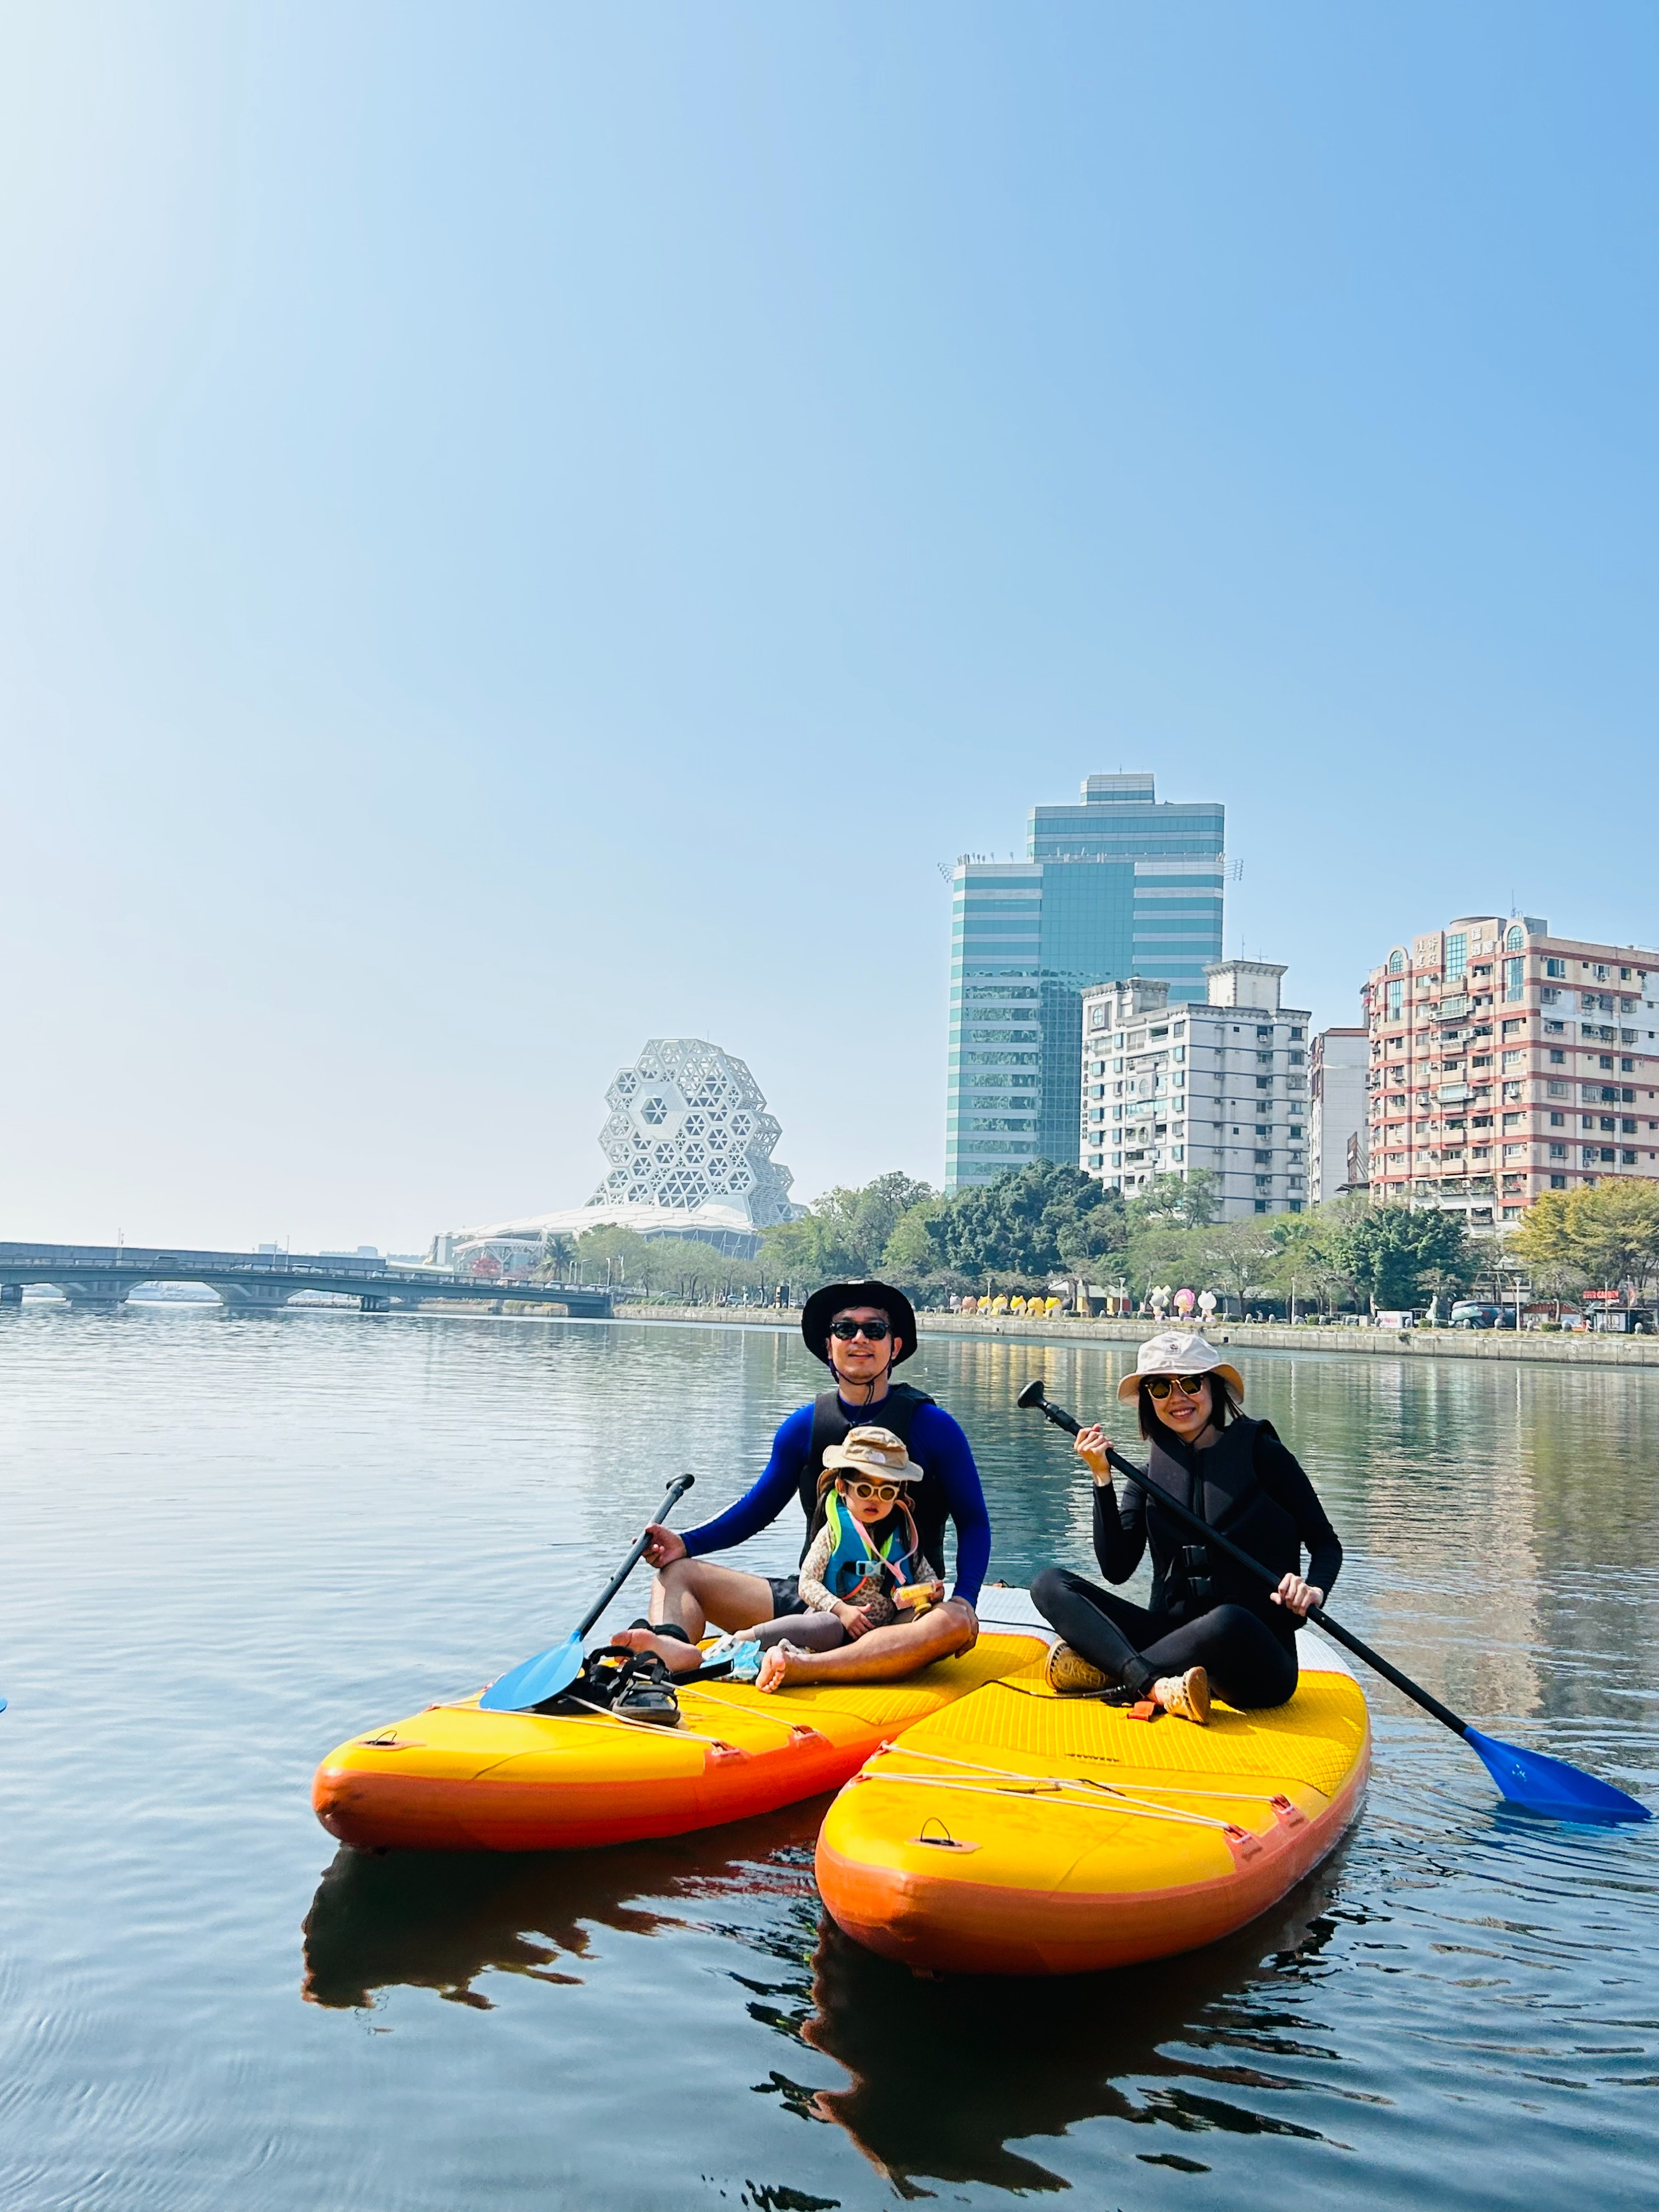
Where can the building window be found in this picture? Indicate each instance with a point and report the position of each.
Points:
(1628, 1159)
(1516, 940)
(1557, 1059)
(1513, 972)
(1261, 1205)
(1555, 967)
(1558, 1182)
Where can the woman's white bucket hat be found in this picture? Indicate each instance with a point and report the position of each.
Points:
(1176, 1352)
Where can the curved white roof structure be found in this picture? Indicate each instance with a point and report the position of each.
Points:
(712, 1222)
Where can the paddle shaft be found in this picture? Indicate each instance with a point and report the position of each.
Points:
(677, 1490)
(1317, 1613)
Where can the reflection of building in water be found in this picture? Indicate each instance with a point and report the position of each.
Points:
(1425, 1471)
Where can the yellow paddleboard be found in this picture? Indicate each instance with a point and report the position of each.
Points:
(455, 1779)
(1017, 1833)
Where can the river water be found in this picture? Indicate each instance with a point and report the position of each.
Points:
(231, 1542)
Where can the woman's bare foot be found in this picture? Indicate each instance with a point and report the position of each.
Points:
(678, 1658)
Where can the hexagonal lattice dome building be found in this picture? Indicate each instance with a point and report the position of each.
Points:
(688, 1128)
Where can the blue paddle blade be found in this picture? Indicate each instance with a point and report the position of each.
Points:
(1550, 1785)
(533, 1679)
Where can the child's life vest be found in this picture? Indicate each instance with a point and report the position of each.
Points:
(855, 1563)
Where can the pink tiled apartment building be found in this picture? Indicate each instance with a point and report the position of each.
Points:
(1505, 1062)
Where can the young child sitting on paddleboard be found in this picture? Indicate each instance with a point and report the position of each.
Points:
(864, 1568)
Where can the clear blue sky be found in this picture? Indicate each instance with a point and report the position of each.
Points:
(525, 528)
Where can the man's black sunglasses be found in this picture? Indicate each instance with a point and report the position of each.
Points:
(875, 1330)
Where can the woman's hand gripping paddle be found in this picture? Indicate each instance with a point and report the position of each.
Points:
(532, 1681)
(1529, 1779)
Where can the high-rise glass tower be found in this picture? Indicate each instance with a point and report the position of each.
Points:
(1114, 886)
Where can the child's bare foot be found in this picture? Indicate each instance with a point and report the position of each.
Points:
(679, 1658)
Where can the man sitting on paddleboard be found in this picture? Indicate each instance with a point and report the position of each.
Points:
(861, 1331)
(1209, 1624)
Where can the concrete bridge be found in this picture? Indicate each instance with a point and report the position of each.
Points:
(105, 1275)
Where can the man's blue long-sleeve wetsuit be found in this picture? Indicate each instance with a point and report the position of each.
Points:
(936, 1442)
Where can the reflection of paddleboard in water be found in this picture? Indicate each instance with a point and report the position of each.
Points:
(1020, 1833)
(444, 1922)
(959, 2078)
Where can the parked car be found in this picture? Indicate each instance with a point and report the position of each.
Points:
(1477, 1313)
(1470, 1313)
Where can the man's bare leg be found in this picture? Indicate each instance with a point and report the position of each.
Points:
(692, 1592)
(881, 1654)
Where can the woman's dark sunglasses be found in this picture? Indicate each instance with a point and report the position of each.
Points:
(875, 1330)
(1159, 1386)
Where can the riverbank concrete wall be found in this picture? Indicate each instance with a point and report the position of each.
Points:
(1571, 1348)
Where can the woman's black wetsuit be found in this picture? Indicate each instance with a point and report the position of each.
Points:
(1206, 1611)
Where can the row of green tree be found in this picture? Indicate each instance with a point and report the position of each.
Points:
(1043, 1222)
(1604, 1236)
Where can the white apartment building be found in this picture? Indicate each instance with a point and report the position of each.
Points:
(1505, 1062)
(1337, 1100)
(1222, 1086)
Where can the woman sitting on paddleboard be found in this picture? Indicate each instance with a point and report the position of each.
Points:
(1209, 1624)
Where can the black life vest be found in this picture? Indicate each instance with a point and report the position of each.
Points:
(1222, 1486)
(832, 1423)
